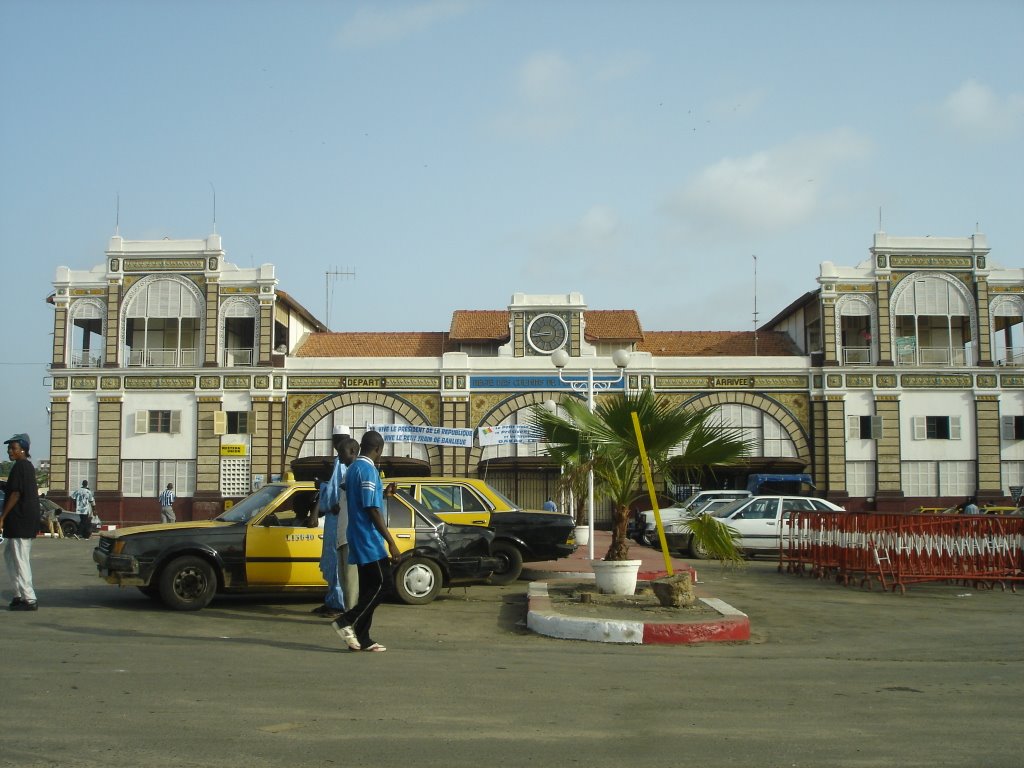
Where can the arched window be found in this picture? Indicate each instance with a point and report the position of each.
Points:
(162, 322)
(855, 329)
(239, 331)
(357, 417)
(766, 434)
(518, 450)
(86, 321)
(932, 321)
(1007, 323)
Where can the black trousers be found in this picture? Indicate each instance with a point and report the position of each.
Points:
(372, 584)
(85, 526)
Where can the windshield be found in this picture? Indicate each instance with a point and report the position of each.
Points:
(503, 497)
(728, 509)
(252, 505)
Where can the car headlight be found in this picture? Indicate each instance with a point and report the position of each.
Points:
(118, 547)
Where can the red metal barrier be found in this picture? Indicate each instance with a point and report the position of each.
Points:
(901, 549)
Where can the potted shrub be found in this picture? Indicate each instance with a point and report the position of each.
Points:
(605, 440)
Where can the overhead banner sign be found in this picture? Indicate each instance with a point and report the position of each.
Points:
(505, 434)
(409, 433)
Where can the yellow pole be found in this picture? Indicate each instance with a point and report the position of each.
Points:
(650, 489)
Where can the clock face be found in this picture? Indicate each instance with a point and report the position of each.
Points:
(546, 333)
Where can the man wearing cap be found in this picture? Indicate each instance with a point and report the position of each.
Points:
(20, 522)
(334, 507)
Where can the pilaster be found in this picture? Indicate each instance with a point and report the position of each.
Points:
(887, 447)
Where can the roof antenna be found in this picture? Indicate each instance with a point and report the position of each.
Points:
(214, 207)
(117, 217)
(329, 278)
(754, 256)
(880, 219)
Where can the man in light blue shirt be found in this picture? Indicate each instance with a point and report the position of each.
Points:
(367, 535)
(334, 554)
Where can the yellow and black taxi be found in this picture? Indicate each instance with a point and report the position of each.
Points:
(520, 535)
(264, 544)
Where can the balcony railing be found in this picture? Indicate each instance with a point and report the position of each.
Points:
(161, 358)
(857, 356)
(233, 357)
(83, 359)
(1010, 356)
(936, 357)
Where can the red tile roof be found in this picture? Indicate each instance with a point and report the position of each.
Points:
(480, 325)
(411, 344)
(612, 325)
(716, 344)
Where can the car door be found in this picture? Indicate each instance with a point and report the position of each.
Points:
(401, 522)
(453, 503)
(280, 550)
(757, 523)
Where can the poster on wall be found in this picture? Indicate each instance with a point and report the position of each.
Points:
(409, 433)
(506, 434)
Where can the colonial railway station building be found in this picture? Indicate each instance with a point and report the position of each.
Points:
(895, 383)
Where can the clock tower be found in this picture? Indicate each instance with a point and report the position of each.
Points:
(545, 323)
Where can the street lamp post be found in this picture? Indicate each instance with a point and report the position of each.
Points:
(560, 359)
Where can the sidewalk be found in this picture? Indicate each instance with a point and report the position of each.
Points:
(652, 561)
(730, 625)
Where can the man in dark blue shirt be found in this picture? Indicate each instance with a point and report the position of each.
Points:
(367, 535)
(20, 523)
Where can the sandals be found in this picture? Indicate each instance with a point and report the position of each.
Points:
(347, 634)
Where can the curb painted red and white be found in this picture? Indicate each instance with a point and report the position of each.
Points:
(730, 626)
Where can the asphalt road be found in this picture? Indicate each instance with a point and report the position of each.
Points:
(834, 676)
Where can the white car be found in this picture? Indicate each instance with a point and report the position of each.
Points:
(646, 531)
(757, 519)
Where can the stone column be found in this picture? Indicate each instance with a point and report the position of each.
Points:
(112, 338)
(819, 442)
(990, 468)
(984, 340)
(887, 450)
(212, 333)
(109, 427)
(207, 448)
(265, 343)
(884, 325)
(835, 429)
(265, 443)
(60, 329)
(59, 414)
(455, 414)
(828, 331)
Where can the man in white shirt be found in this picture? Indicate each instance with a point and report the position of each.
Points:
(84, 502)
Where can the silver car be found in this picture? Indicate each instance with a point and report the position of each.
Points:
(703, 501)
(757, 520)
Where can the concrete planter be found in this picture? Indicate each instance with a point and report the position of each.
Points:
(616, 577)
(582, 534)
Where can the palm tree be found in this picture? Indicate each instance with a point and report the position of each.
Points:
(606, 441)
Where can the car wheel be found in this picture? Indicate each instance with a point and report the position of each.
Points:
(418, 581)
(647, 539)
(510, 562)
(698, 551)
(69, 528)
(187, 583)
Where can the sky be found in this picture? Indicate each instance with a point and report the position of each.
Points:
(449, 153)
